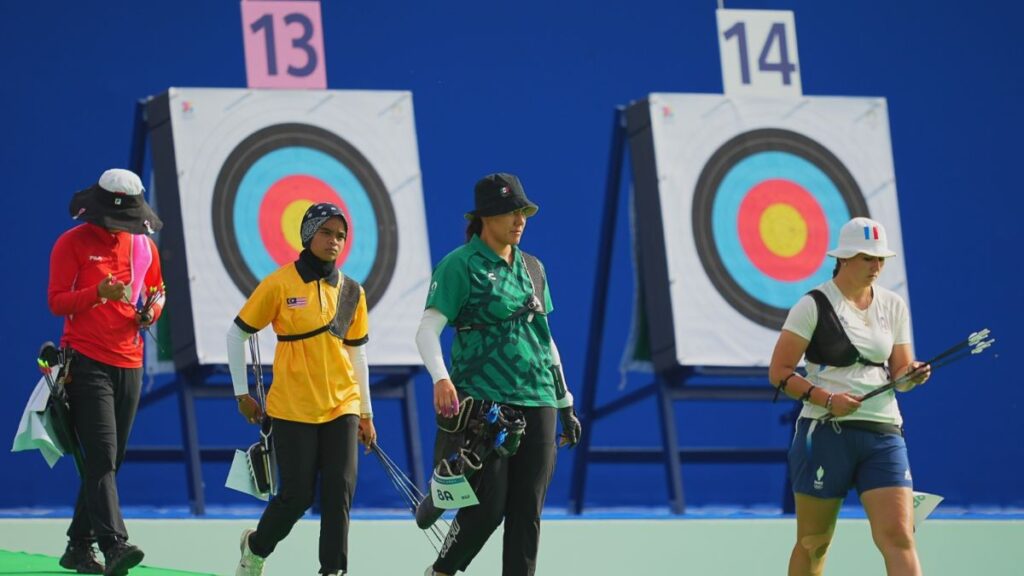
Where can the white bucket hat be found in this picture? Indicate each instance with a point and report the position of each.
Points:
(862, 236)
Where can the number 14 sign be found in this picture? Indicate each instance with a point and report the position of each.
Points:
(758, 52)
(284, 44)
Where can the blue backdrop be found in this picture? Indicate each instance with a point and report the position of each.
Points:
(529, 88)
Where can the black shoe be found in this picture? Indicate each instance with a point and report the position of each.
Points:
(120, 558)
(81, 558)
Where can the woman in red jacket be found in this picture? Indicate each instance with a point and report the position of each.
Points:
(99, 272)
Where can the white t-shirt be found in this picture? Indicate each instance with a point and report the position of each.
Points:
(874, 332)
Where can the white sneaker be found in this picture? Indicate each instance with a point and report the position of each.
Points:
(250, 564)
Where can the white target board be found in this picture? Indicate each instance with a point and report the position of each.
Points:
(248, 163)
(751, 195)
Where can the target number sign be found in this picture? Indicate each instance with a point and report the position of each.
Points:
(758, 53)
(284, 44)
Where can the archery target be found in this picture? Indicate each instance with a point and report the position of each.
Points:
(264, 188)
(249, 163)
(767, 207)
(752, 194)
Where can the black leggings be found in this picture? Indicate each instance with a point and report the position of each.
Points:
(512, 490)
(303, 452)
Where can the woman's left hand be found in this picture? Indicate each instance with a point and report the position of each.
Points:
(367, 433)
(919, 373)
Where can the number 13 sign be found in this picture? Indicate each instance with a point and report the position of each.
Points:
(284, 44)
(758, 52)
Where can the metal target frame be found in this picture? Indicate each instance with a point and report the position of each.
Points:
(386, 167)
(757, 125)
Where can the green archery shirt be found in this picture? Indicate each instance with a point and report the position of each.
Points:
(503, 360)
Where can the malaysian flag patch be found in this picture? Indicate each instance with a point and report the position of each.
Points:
(296, 302)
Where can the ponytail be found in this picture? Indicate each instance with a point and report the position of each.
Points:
(475, 226)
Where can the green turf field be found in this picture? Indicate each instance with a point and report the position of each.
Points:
(24, 563)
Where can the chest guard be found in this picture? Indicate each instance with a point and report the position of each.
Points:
(830, 345)
(533, 305)
(348, 299)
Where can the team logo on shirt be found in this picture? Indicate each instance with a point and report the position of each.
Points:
(296, 302)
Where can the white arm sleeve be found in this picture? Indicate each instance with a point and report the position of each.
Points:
(361, 367)
(428, 342)
(236, 359)
(556, 361)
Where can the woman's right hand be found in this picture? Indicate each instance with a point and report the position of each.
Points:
(446, 399)
(250, 409)
(844, 404)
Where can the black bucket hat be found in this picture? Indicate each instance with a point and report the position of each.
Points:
(116, 202)
(500, 193)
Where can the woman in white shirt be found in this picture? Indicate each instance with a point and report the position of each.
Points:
(856, 337)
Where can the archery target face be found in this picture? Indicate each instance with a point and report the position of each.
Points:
(767, 207)
(753, 193)
(251, 162)
(265, 187)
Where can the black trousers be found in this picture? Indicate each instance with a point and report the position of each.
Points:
(305, 451)
(104, 400)
(511, 489)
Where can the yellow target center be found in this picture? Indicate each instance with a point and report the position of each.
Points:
(783, 230)
(291, 221)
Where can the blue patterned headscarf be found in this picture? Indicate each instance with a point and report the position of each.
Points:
(315, 217)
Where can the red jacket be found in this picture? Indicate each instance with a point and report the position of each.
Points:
(103, 330)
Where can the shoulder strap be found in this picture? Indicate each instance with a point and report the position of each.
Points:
(348, 299)
(535, 271)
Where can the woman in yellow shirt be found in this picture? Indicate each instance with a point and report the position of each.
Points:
(320, 397)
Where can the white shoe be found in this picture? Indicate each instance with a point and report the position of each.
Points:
(430, 571)
(250, 564)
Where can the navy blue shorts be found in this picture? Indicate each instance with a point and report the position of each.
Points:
(832, 462)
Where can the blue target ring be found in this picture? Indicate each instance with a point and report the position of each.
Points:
(282, 163)
(254, 177)
(736, 173)
(738, 181)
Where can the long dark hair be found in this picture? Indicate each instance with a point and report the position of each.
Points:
(475, 226)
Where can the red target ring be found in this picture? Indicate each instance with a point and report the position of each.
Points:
(280, 215)
(783, 230)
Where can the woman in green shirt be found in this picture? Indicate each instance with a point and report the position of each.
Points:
(496, 297)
